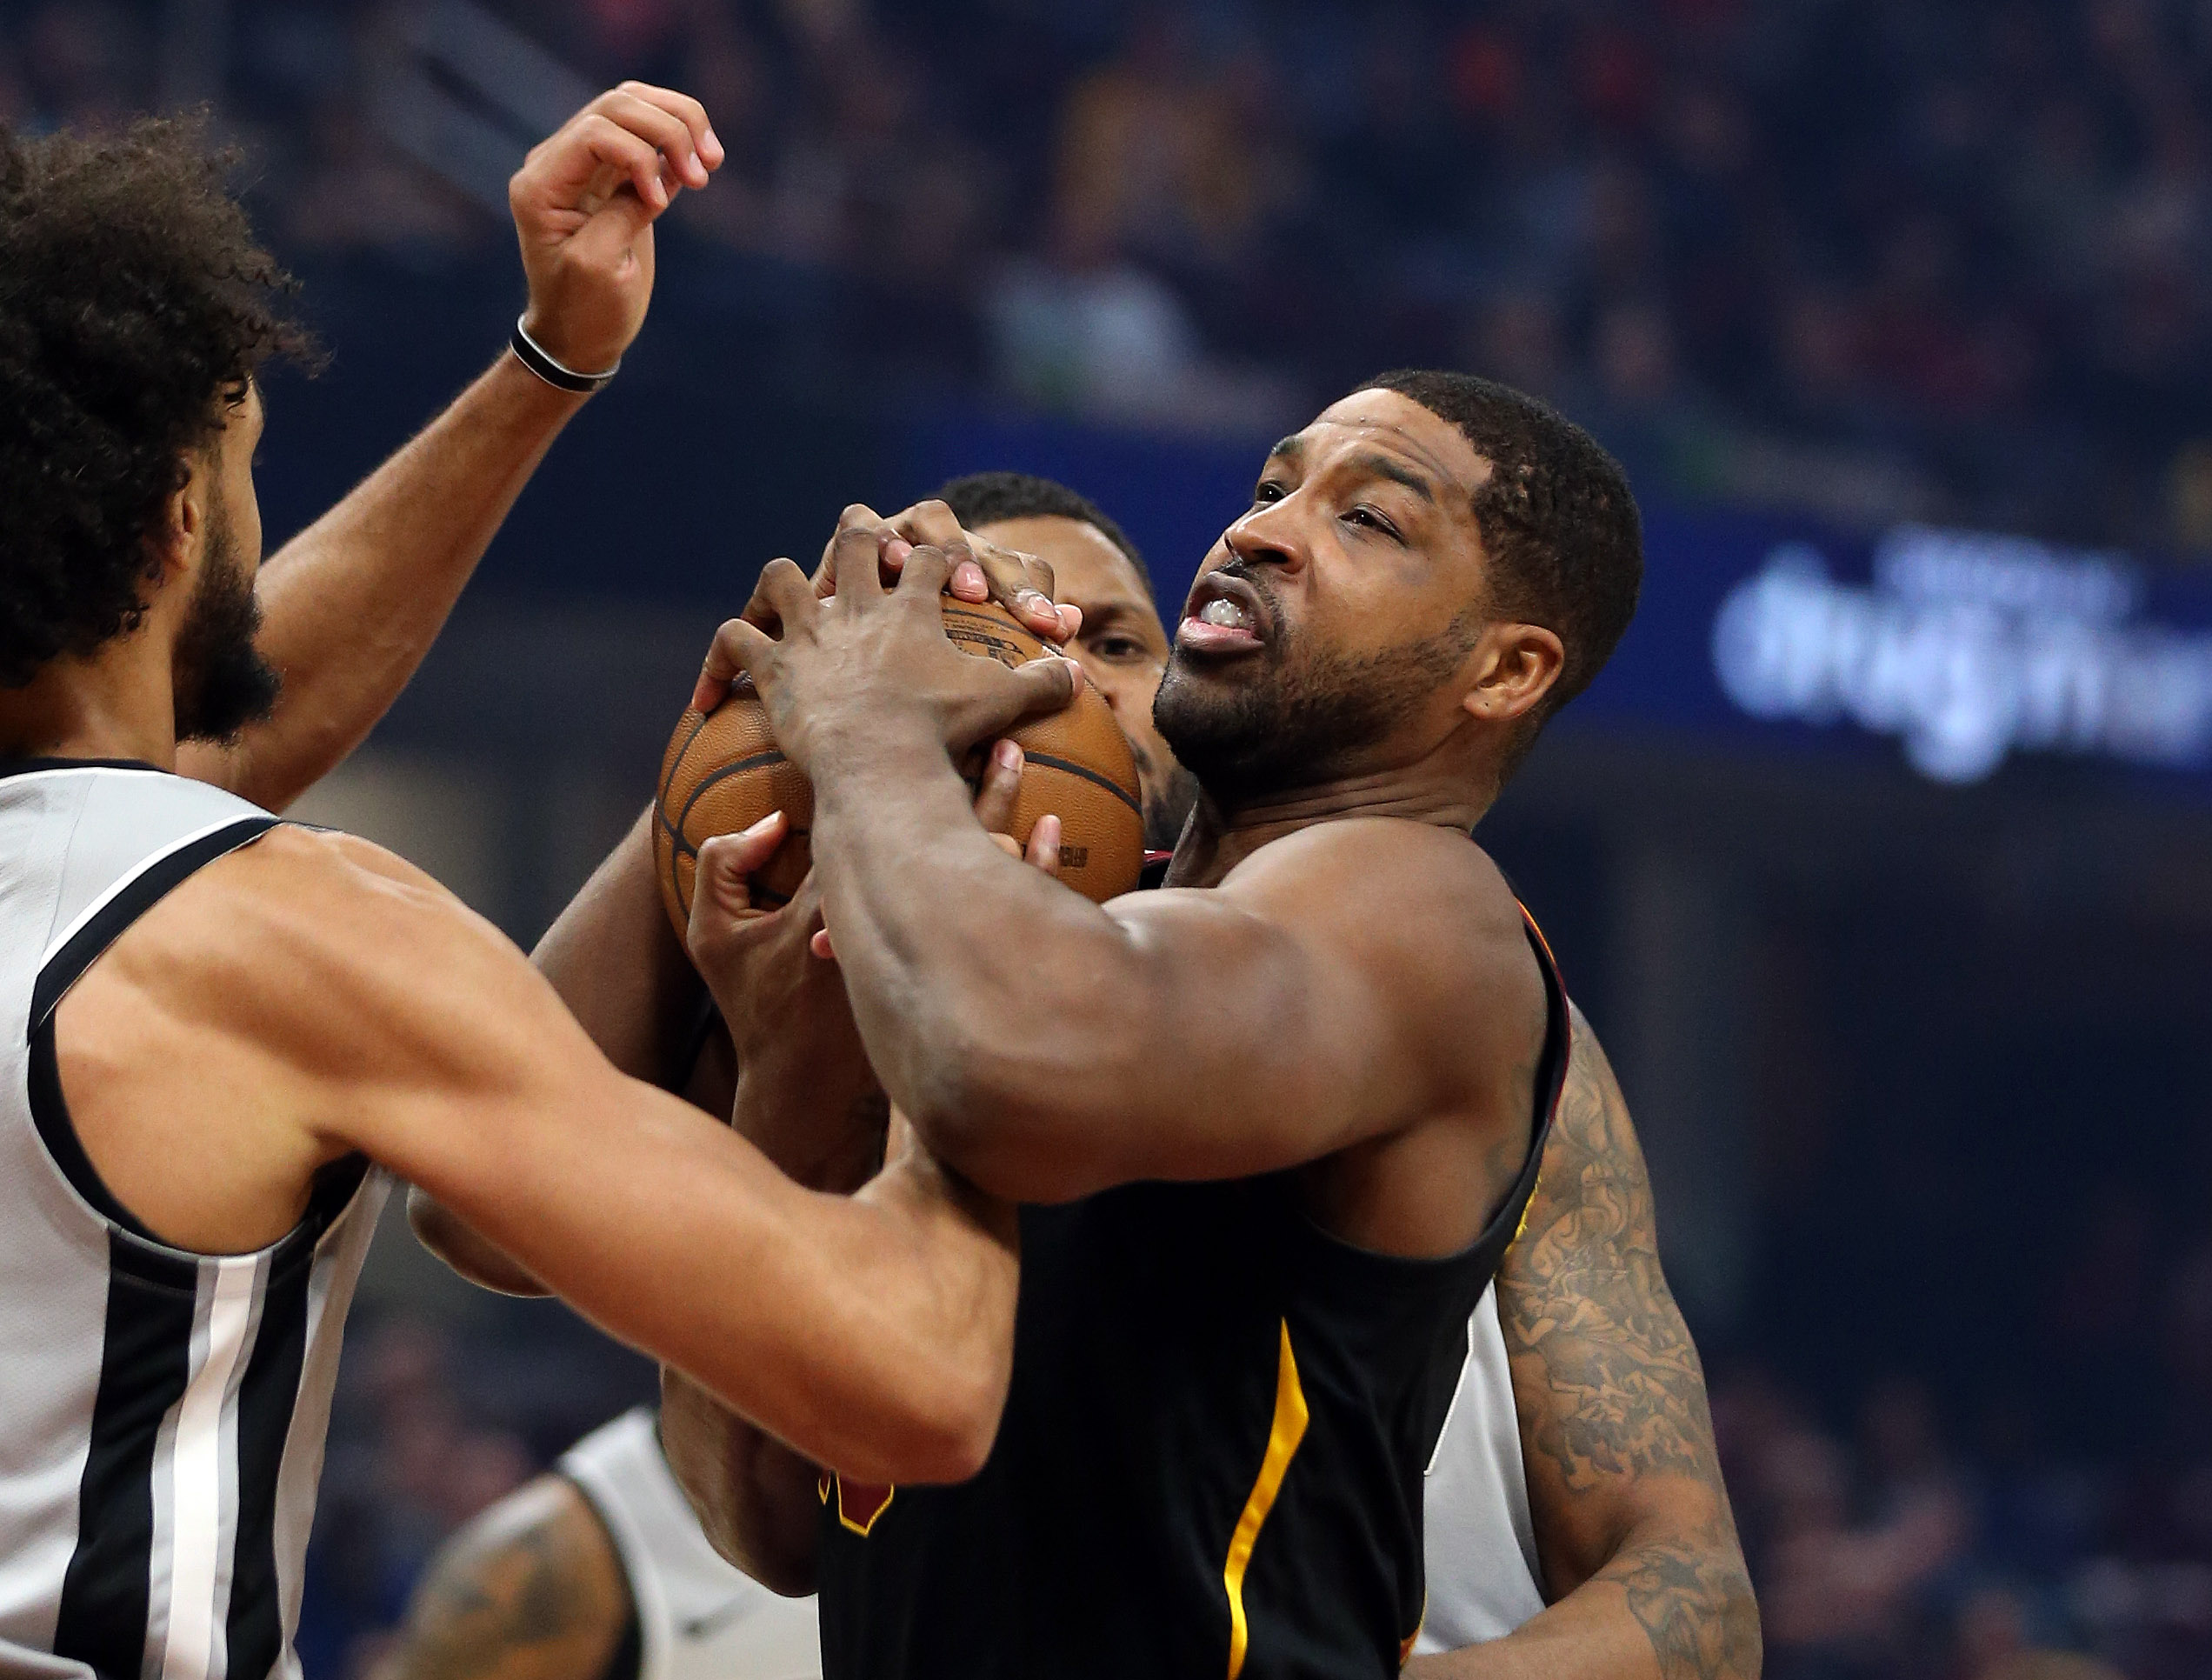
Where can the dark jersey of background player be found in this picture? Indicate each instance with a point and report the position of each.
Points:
(1230, 1380)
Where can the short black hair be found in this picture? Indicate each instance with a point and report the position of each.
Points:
(1564, 539)
(135, 309)
(984, 498)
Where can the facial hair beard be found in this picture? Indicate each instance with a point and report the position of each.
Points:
(1305, 718)
(222, 682)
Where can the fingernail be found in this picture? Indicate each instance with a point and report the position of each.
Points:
(968, 580)
(1037, 602)
(761, 827)
(1007, 756)
(713, 142)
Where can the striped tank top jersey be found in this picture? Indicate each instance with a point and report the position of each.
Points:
(162, 1413)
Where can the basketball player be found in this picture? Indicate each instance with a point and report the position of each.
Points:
(227, 1027)
(1288, 1116)
(1620, 1506)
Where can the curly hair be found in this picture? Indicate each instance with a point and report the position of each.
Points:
(135, 309)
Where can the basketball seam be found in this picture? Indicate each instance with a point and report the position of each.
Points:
(1048, 762)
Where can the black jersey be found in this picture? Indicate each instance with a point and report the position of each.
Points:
(1210, 1463)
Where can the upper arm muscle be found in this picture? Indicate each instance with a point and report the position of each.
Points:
(1340, 985)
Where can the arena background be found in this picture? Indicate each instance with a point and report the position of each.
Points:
(1883, 856)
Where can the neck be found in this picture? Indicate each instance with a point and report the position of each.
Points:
(120, 706)
(1222, 834)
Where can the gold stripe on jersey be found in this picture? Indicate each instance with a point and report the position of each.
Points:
(1288, 1429)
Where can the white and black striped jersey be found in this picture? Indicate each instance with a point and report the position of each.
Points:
(162, 1413)
(698, 1617)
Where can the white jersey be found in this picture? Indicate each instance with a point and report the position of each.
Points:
(698, 1617)
(1484, 1580)
(162, 1413)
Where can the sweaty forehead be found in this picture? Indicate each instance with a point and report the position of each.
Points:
(1371, 420)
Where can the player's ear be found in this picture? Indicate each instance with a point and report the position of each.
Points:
(178, 532)
(1511, 669)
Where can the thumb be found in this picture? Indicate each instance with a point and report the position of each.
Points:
(1042, 685)
(722, 897)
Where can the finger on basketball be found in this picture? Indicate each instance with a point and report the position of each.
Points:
(1004, 697)
(1045, 844)
(737, 646)
(1001, 787)
(854, 561)
(781, 597)
(926, 570)
(722, 894)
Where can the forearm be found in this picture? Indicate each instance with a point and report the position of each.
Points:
(618, 966)
(756, 1500)
(1674, 1604)
(351, 604)
(873, 1334)
(928, 914)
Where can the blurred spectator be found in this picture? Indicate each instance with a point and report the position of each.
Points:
(1882, 262)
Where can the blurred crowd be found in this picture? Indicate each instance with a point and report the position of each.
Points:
(1888, 257)
(1941, 1531)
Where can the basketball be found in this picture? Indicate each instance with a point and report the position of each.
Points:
(722, 772)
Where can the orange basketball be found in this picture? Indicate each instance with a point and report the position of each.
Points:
(723, 772)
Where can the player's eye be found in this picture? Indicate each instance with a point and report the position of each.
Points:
(1367, 517)
(1269, 492)
(1118, 649)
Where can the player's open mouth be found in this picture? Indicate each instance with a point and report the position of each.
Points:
(1223, 615)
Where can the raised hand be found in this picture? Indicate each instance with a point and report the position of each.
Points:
(870, 667)
(584, 203)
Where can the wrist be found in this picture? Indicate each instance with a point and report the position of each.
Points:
(580, 370)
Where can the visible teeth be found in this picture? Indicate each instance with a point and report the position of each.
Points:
(1225, 612)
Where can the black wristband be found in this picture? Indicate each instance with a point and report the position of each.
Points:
(533, 356)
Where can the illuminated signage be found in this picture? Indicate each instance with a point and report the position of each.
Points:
(1967, 648)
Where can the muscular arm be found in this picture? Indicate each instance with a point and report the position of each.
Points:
(1297, 997)
(1638, 1544)
(352, 603)
(532, 1589)
(329, 998)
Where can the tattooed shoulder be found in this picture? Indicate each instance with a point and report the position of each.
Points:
(532, 1589)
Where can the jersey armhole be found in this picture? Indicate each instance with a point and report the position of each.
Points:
(80, 946)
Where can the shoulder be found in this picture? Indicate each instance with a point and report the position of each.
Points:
(331, 955)
(531, 1590)
(1424, 906)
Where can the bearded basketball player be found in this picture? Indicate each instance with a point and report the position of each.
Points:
(229, 1028)
(1243, 1325)
(1607, 1488)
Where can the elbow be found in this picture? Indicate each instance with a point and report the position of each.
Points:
(947, 1426)
(1021, 1122)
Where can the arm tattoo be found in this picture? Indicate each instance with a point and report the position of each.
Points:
(544, 1601)
(1608, 1383)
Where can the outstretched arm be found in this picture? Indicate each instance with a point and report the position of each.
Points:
(360, 1008)
(352, 603)
(1638, 1542)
